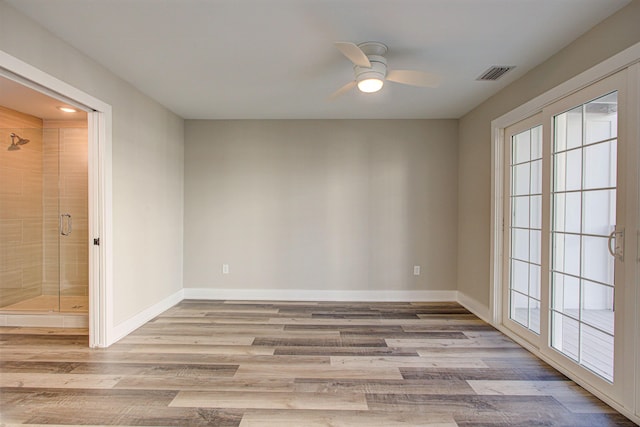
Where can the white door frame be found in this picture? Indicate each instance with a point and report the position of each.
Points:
(606, 68)
(100, 187)
(627, 59)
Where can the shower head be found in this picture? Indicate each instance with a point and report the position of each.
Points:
(21, 141)
(15, 145)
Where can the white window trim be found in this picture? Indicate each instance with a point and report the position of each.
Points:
(625, 59)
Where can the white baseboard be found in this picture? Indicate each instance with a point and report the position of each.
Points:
(474, 306)
(123, 329)
(316, 295)
(130, 325)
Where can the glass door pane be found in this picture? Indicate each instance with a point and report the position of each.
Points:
(584, 160)
(51, 208)
(525, 221)
(73, 217)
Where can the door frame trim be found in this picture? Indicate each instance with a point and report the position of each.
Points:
(626, 59)
(100, 187)
(610, 66)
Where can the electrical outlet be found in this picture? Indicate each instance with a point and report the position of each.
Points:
(416, 270)
(225, 268)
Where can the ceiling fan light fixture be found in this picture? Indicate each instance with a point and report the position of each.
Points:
(371, 79)
(370, 85)
(370, 69)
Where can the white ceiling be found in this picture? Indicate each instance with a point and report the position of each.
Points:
(240, 59)
(25, 100)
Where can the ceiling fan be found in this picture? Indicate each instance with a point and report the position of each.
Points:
(370, 69)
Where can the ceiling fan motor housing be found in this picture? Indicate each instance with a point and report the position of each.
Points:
(378, 69)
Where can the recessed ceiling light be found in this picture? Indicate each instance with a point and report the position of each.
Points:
(67, 109)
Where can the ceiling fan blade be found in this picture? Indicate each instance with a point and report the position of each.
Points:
(414, 78)
(353, 53)
(344, 89)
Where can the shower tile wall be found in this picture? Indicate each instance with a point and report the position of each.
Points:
(66, 266)
(21, 213)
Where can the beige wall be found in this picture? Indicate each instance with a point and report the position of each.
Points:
(147, 154)
(380, 216)
(21, 245)
(616, 33)
(321, 205)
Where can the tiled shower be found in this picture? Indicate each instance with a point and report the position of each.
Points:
(43, 215)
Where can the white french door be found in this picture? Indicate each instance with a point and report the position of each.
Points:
(523, 228)
(567, 187)
(585, 226)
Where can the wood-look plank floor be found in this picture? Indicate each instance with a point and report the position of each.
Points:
(239, 363)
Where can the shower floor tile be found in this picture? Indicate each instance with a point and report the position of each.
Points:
(48, 303)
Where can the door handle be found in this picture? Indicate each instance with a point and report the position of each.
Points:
(65, 224)
(616, 251)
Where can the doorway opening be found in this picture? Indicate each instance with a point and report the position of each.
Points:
(63, 250)
(565, 227)
(43, 207)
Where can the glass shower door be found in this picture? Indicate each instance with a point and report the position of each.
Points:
(51, 234)
(73, 219)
